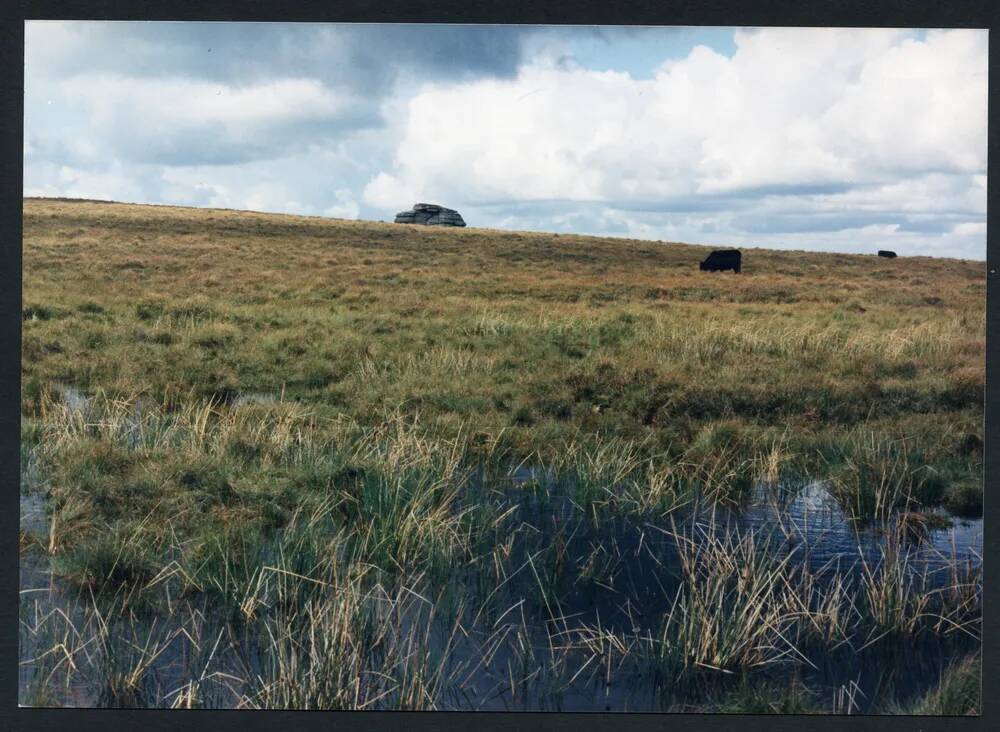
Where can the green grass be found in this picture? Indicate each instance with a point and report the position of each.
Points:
(359, 317)
(959, 692)
(289, 432)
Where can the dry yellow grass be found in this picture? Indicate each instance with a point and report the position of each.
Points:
(536, 339)
(309, 399)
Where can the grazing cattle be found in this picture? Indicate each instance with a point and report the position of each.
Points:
(721, 260)
(886, 253)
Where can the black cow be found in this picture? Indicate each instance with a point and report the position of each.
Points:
(886, 253)
(721, 260)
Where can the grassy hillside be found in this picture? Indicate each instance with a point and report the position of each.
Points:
(339, 382)
(536, 336)
(499, 329)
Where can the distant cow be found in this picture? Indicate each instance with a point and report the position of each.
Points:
(886, 253)
(721, 260)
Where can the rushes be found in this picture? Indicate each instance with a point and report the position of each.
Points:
(891, 593)
(873, 477)
(714, 340)
(734, 610)
(350, 540)
(741, 606)
(333, 638)
(620, 476)
(315, 625)
(100, 648)
(825, 605)
(139, 425)
(900, 597)
(337, 651)
(731, 611)
(959, 692)
(128, 653)
(490, 324)
(311, 564)
(408, 520)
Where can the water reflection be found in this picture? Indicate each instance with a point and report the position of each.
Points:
(568, 570)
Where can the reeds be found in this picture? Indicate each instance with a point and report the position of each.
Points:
(731, 610)
(350, 648)
(958, 693)
(333, 565)
(874, 475)
(353, 540)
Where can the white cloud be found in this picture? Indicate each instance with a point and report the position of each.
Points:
(852, 122)
(115, 182)
(802, 138)
(387, 191)
(184, 121)
(345, 207)
(970, 228)
(791, 107)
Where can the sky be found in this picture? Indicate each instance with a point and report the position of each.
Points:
(821, 139)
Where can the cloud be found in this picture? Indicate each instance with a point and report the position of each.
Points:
(802, 138)
(970, 228)
(183, 122)
(114, 182)
(229, 93)
(367, 57)
(345, 207)
(820, 130)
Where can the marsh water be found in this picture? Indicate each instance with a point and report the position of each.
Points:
(630, 594)
(571, 570)
(639, 576)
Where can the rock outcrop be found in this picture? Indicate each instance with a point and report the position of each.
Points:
(431, 215)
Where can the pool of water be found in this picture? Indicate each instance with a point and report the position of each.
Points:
(639, 577)
(568, 570)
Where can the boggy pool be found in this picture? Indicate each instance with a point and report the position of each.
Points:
(577, 621)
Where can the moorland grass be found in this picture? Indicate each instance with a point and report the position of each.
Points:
(282, 432)
(959, 692)
(489, 331)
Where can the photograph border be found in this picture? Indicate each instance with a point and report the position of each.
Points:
(880, 13)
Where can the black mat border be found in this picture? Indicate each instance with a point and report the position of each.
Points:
(844, 13)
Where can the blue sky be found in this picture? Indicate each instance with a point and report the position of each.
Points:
(639, 51)
(825, 139)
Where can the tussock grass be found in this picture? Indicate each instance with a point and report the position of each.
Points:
(739, 607)
(491, 331)
(296, 438)
(732, 611)
(959, 692)
(898, 598)
(350, 648)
